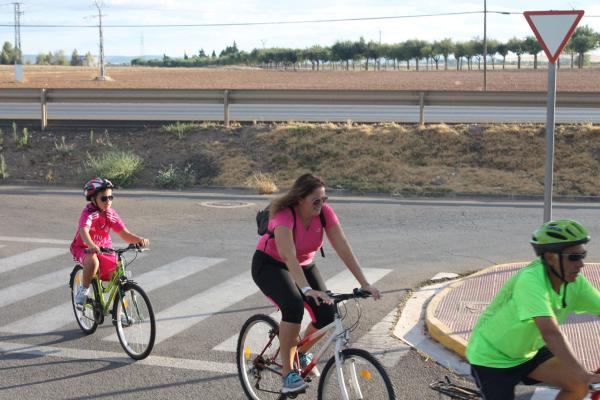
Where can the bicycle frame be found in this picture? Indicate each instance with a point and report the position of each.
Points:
(111, 287)
(341, 337)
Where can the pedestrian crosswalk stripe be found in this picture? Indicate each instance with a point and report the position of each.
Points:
(55, 318)
(29, 257)
(82, 354)
(189, 312)
(34, 240)
(34, 286)
(341, 282)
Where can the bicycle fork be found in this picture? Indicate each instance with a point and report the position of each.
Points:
(340, 344)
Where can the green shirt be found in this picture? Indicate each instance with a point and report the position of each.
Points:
(506, 334)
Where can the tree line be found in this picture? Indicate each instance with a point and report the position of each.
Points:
(362, 54)
(9, 54)
(354, 54)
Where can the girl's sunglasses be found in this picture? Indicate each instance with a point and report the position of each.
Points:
(319, 201)
(105, 198)
(576, 256)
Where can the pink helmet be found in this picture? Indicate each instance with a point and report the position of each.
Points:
(95, 185)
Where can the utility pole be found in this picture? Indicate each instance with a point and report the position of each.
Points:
(485, 45)
(18, 13)
(18, 60)
(102, 76)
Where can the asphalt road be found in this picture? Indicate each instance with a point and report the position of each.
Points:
(402, 242)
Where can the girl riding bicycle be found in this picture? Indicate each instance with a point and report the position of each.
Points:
(283, 267)
(93, 231)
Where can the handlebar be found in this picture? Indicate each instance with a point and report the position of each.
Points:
(131, 247)
(357, 293)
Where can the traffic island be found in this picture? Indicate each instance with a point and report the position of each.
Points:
(453, 312)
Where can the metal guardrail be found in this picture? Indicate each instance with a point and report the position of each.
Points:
(303, 97)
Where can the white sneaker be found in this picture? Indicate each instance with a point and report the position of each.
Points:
(81, 297)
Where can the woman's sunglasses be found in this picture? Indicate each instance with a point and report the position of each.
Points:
(105, 198)
(576, 256)
(319, 201)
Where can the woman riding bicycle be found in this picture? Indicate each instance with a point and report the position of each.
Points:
(517, 338)
(283, 267)
(93, 232)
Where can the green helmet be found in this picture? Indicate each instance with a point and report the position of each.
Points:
(554, 236)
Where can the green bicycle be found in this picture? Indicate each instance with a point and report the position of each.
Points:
(131, 310)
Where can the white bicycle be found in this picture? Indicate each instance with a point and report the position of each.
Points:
(351, 374)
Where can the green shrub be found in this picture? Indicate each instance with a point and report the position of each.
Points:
(62, 147)
(23, 140)
(179, 129)
(14, 131)
(173, 178)
(3, 173)
(118, 166)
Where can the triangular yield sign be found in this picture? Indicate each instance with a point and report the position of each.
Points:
(553, 29)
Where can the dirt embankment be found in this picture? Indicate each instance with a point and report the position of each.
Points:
(392, 158)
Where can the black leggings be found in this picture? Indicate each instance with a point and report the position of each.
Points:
(274, 280)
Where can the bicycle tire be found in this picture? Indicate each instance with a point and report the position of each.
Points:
(86, 318)
(259, 337)
(136, 328)
(371, 381)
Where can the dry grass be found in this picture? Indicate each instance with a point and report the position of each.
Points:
(263, 183)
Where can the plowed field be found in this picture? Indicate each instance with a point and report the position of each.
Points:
(248, 78)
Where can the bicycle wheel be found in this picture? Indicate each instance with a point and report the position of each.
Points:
(85, 318)
(259, 367)
(134, 321)
(363, 377)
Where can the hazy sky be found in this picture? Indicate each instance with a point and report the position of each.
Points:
(173, 41)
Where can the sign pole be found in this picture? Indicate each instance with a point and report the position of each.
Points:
(550, 122)
(552, 29)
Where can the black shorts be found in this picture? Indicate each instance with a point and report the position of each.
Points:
(274, 280)
(499, 383)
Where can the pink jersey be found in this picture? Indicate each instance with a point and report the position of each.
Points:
(99, 224)
(307, 241)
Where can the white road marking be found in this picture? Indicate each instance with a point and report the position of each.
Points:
(34, 240)
(29, 257)
(7, 348)
(34, 286)
(340, 282)
(197, 308)
(55, 318)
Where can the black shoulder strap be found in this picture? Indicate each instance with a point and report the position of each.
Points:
(324, 224)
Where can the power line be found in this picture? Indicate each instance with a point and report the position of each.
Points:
(268, 22)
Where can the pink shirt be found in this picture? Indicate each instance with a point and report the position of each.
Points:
(99, 224)
(307, 241)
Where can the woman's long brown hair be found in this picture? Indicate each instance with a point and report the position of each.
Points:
(303, 186)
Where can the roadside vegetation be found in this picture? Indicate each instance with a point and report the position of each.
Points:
(406, 160)
(120, 167)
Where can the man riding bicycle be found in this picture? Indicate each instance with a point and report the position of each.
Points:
(517, 338)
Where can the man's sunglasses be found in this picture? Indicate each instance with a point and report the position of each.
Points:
(105, 198)
(319, 201)
(576, 256)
